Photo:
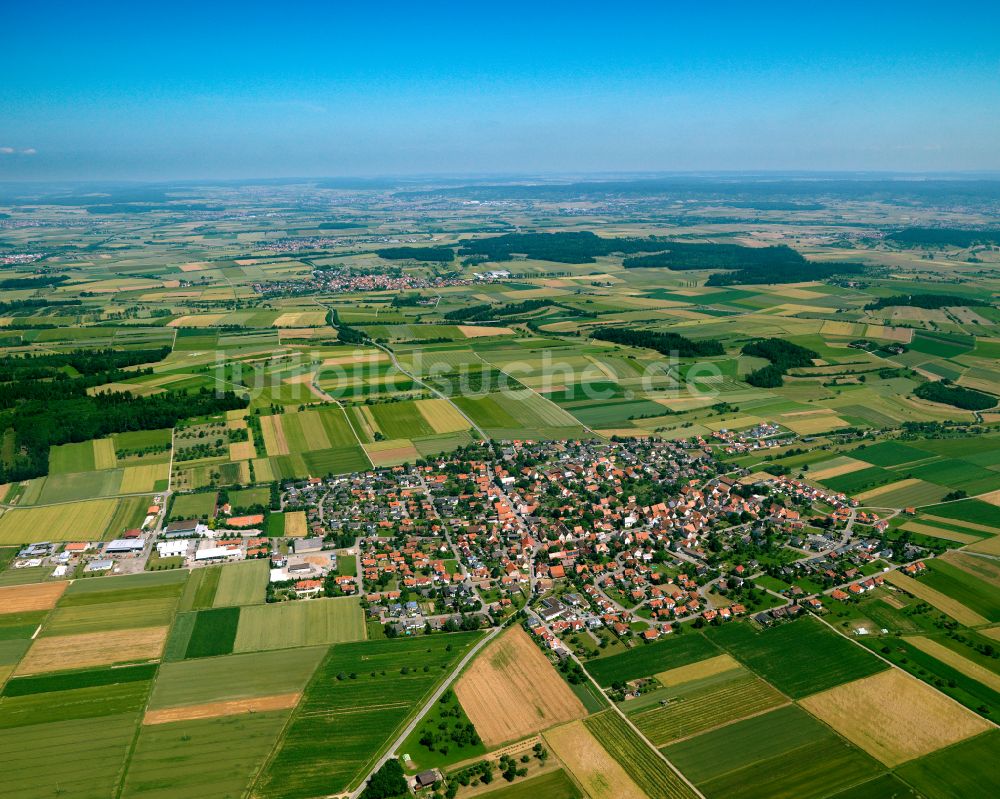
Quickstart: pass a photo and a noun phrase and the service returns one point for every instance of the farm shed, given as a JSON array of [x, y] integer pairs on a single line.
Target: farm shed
[[217, 553], [125, 546], [171, 549]]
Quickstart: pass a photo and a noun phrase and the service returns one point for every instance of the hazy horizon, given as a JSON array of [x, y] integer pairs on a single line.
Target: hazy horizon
[[236, 91]]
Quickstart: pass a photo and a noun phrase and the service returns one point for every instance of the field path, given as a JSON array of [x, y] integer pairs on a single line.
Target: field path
[[395, 362], [431, 701], [636, 730]]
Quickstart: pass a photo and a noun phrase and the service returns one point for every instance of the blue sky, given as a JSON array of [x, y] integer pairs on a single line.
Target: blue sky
[[226, 90]]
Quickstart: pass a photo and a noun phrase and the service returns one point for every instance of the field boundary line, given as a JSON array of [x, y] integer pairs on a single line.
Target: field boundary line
[[636, 730], [734, 721], [412, 722], [904, 671]]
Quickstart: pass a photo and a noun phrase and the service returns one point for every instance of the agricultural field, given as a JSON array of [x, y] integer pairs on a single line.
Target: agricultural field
[[698, 704], [654, 776], [651, 659], [241, 584], [278, 339], [292, 624], [600, 774], [554, 785], [782, 753], [362, 694], [798, 658], [511, 690], [894, 717]]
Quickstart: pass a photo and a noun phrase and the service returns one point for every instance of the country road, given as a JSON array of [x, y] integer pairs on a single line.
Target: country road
[[389, 753]]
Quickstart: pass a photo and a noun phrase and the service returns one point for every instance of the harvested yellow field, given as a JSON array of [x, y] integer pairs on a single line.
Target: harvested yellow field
[[894, 717], [985, 569], [312, 429], [818, 423], [93, 649], [961, 664], [903, 335], [262, 470], [481, 331], [104, 454], [295, 524], [442, 415], [993, 497], [982, 528], [987, 546], [511, 690], [142, 479], [201, 320], [274, 435], [942, 602], [88, 522], [851, 465], [242, 450], [392, 453], [842, 329], [213, 710], [696, 671], [938, 532], [877, 492], [991, 632], [194, 266], [20, 598], [301, 319], [599, 774], [356, 358]]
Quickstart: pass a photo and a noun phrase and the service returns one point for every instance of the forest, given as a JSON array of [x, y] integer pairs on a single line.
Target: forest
[[783, 356], [964, 398], [41, 423], [944, 236], [567, 248], [435, 254], [685, 255], [482, 313], [662, 342], [930, 301], [783, 273]]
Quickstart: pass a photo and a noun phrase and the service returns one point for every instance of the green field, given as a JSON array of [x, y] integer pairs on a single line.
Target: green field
[[782, 753], [963, 770], [554, 785], [646, 660], [98, 617], [972, 592], [213, 633], [646, 768], [78, 758], [193, 682], [302, 623], [242, 583], [363, 712], [194, 506], [200, 589], [702, 704], [799, 658], [182, 759], [94, 702]]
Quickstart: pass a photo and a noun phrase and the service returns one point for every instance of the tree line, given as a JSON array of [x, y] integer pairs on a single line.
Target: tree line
[[664, 342]]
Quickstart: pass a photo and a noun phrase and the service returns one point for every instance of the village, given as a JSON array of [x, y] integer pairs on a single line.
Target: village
[[666, 535]]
